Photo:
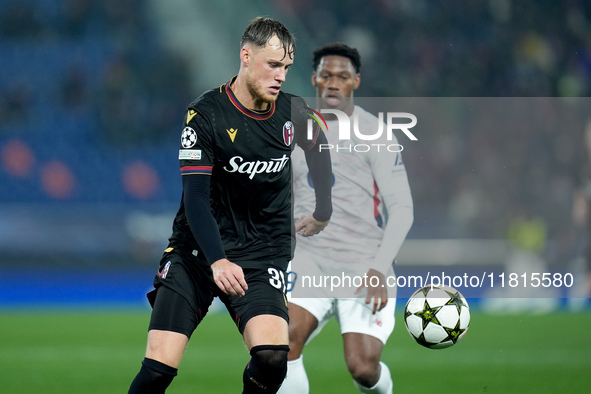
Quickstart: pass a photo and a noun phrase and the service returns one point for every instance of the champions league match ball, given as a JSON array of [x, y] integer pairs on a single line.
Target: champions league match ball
[[437, 317]]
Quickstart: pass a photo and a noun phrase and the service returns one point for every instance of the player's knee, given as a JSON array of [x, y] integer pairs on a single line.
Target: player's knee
[[364, 370], [267, 368]]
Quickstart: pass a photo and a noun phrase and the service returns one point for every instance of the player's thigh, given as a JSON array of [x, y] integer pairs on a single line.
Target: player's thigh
[[301, 324], [183, 294], [355, 316], [265, 297], [266, 330], [308, 316], [180, 303], [167, 347], [172, 322]]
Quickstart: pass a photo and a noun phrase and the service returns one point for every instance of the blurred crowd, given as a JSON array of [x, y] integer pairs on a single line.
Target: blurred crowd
[[493, 178], [88, 94], [460, 47]]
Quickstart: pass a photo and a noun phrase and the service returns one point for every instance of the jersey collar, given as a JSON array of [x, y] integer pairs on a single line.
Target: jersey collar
[[258, 115]]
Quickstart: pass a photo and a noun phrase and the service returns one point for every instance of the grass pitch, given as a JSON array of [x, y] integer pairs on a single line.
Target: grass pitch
[[100, 351]]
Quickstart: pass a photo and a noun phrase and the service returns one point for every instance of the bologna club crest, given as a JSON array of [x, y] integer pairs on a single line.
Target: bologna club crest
[[288, 133]]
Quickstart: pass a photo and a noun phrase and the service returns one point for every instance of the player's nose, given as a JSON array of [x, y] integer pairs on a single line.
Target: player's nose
[[332, 84], [280, 76]]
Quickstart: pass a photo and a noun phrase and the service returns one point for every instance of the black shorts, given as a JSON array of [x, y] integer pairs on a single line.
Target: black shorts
[[184, 291]]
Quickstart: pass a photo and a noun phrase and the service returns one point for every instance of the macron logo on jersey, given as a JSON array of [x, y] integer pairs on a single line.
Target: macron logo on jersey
[[252, 168]]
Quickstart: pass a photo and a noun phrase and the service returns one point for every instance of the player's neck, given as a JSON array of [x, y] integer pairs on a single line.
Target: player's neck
[[248, 98], [349, 108]]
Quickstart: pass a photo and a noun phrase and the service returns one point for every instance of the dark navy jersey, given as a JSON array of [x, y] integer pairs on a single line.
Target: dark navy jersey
[[247, 154]]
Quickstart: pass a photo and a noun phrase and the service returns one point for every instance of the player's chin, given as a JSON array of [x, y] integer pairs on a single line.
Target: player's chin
[[270, 98]]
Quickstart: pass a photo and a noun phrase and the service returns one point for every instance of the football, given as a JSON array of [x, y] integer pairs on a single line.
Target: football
[[437, 317]]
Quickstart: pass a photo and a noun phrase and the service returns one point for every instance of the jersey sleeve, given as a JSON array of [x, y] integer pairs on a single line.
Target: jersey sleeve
[[201, 221], [196, 154], [196, 158], [320, 168], [391, 180], [317, 159], [306, 137]]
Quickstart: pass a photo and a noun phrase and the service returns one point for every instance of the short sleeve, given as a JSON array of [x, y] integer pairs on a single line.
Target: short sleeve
[[196, 154]]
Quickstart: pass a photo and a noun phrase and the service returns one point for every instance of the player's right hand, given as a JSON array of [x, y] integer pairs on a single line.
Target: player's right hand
[[229, 277], [378, 294], [308, 225]]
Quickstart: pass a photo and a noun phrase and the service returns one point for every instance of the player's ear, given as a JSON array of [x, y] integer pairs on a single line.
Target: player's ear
[[357, 81], [314, 79], [245, 55]]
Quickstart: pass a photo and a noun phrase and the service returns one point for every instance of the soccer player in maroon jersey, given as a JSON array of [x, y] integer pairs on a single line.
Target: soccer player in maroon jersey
[[233, 234]]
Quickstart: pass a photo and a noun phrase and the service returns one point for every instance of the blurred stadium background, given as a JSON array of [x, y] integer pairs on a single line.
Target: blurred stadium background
[[92, 94]]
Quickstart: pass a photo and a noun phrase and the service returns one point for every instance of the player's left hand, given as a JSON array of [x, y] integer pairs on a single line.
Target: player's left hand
[[378, 293], [309, 226]]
